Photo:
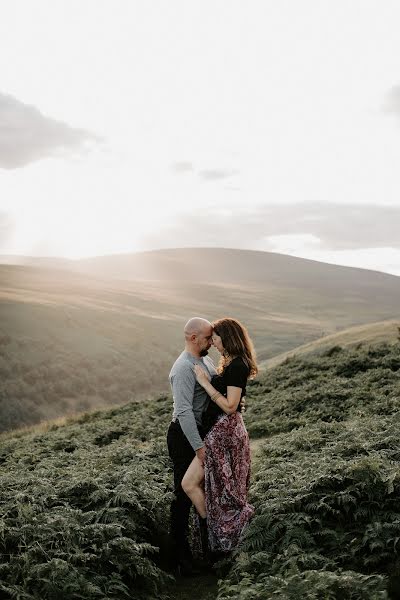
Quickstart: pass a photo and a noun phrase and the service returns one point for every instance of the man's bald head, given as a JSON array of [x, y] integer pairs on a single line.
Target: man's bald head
[[198, 334], [195, 326]]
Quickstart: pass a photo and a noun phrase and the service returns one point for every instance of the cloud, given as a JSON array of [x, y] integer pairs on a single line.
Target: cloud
[[392, 103], [26, 135], [182, 167], [214, 174], [332, 226]]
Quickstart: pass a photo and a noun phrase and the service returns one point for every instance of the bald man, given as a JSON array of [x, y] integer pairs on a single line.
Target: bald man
[[185, 435]]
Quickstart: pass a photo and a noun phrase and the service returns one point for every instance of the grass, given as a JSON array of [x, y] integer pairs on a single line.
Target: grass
[[325, 483], [371, 333], [326, 478]]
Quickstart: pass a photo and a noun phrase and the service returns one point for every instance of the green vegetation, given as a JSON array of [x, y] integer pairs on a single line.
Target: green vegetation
[[83, 508], [372, 333], [338, 385], [327, 479], [45, 381], [84, 505]]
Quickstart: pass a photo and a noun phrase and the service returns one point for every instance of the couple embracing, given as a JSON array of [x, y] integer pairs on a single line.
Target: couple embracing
[[207, 439]]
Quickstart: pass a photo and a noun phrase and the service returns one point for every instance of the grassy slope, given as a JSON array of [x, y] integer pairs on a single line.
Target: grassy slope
[[325, 486], [326, 479], [371, 333], [84, 506], [74, 340]]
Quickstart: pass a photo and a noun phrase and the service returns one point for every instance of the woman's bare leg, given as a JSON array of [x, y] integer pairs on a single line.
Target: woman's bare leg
[[192, 485]]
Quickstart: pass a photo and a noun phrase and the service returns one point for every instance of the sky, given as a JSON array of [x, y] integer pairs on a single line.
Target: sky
[[131, 125]]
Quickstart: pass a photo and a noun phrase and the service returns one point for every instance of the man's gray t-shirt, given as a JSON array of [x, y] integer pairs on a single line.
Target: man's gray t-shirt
[[190, 398]]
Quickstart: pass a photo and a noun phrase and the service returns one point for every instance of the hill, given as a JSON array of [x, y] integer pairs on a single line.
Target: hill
[[97, 331], [84, 506], [372, 333], [222, 265]]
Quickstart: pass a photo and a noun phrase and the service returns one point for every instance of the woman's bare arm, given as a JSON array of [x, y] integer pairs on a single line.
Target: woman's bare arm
[[228, 404]]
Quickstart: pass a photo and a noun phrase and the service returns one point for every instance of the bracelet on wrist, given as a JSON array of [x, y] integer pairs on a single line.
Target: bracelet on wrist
[[215, 396]]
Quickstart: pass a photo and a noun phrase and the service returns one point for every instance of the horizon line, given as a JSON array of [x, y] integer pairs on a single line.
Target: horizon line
[[215, 248]]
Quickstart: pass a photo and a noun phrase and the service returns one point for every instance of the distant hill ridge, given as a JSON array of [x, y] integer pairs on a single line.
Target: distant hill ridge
[[211, 265]]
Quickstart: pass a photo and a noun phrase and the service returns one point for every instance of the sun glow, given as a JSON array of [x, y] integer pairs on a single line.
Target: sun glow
[[185, 134]]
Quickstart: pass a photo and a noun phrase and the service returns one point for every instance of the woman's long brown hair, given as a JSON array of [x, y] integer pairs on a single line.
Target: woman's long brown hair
[[236, 342]]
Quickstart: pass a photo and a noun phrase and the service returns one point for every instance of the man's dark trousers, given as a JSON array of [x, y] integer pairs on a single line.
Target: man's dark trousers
[[182, 454]]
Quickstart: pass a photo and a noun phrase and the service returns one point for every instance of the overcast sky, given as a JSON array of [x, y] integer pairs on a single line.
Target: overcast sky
[[132, 125]]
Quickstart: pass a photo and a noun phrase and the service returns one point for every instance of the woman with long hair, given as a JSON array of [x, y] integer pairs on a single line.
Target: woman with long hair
[[219, 488]]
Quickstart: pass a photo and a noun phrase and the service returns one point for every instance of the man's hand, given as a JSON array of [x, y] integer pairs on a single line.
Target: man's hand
[[242, 405], [201, 455]]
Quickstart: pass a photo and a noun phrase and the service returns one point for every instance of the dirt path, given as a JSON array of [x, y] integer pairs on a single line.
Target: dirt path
[[203, 587], [255, 445]]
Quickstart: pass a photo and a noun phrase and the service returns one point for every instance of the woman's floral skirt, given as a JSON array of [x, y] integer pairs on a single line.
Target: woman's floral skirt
[[227, 478]]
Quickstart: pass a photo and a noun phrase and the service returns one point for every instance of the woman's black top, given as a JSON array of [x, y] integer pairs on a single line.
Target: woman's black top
[[236, 374]]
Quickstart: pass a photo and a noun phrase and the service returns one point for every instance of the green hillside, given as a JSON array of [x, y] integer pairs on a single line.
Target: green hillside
[[78, 335], [84, 505], [372, 333]]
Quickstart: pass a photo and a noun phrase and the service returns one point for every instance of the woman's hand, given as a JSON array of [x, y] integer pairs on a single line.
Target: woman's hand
[[202, 377]]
